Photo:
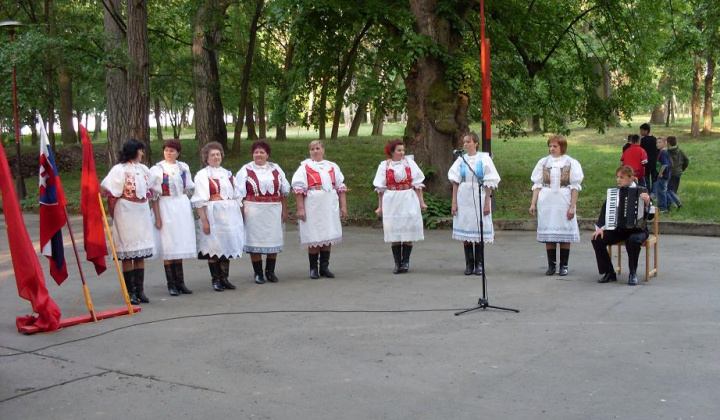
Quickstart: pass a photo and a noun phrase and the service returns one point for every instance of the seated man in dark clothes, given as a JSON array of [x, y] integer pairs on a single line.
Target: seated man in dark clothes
[[633, 238]]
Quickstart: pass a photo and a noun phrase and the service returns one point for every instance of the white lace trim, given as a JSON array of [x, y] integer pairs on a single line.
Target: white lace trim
[[322, 243], [141, 253], [262, 249]]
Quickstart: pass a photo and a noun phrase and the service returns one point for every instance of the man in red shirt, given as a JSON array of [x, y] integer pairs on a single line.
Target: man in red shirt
[[635, 157]]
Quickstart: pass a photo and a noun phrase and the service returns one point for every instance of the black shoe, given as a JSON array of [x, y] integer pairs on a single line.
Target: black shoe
[[313, 259], [180, 279], [563, 270], [270, 270], [258, 278], [405, 261], [608, 277], [632, 279], [215, 274], [469, 259], [140, 285], [397, 251], [225, 273], [551, 270], [479, 268], [325, 264], [170, 277]]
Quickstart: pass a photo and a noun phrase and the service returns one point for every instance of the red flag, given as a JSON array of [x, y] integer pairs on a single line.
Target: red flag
[[52, 210], [28, 274], [93, 233]]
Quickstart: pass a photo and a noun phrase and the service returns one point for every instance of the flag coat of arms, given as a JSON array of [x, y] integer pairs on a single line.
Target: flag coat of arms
[[52, 210]]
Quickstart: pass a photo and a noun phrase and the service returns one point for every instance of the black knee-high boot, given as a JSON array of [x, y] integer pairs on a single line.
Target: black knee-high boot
[[140, 285], [129, 277], [313, 259], [405, 262], [564, 257], [180, 278], [170, 277], [325, 264], [270, 270], [469, 260], [215, 273], [225, 271], [551, 255], [258, 272], [479, 259], [397, 255]]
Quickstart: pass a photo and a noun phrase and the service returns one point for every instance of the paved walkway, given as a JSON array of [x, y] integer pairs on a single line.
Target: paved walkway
[[373, 345]]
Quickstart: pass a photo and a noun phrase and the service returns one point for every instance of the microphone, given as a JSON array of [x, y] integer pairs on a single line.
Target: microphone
[[457, 153]]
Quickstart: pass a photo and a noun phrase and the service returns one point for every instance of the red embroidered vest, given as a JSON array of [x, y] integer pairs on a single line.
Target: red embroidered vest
[[313, 178], [392, 184], [252, 185]]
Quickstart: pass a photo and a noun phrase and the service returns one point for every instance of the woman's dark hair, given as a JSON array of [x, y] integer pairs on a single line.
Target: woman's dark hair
[[129, 150], [173, 144], [626, 170], [213, 145], [260, 145], [391, 146]]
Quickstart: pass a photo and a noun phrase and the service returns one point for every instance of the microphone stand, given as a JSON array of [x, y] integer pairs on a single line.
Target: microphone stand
[[483, 302]]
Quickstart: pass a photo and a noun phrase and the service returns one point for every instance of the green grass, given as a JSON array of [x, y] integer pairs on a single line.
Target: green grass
[[515, 158]]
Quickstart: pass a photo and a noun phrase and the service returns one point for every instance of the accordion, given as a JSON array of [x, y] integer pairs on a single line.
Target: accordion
[[625, 209]]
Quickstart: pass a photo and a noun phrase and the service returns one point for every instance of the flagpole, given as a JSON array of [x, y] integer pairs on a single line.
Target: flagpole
[[117, 263], [86, 291]]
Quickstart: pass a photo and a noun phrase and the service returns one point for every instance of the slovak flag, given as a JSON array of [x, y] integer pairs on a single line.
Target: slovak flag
[[52, 210]]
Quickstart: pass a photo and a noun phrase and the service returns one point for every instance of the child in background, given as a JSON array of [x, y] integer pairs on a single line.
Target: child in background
[[636, 158], [680, 162], [664, 166]]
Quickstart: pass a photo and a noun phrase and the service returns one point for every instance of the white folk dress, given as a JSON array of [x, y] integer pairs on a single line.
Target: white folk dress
[[215, 189], [320, 183], [470, 200], [262, 189], [556, 178], [176, 239], [401, 213], [132, 227]]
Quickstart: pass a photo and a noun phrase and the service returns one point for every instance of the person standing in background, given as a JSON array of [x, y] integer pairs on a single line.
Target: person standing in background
[[680, 162], [649, 143]]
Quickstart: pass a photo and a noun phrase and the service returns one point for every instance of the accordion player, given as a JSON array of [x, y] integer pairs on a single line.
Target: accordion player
[[625, 208]]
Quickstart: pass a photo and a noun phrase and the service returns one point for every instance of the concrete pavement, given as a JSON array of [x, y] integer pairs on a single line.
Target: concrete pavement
[[373, 345]]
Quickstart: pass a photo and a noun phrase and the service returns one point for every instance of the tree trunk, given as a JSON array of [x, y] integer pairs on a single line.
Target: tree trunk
[[695, 102], [244, 85], [281, 108], [98, 126], [33, 130], [658, 114], [535, 123], [322, 107], [65, 95], [378, 121], [158, 120], [209, 115], [344, 78], [250, 119], [707, 106], [115, 80], [139, 75], [262, 126], [437, 115], [358, 119]]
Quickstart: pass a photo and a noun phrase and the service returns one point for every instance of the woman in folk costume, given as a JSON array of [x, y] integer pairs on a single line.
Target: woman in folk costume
[[470, 204], [319, 188], [556, 182], [174, 222], [128, 187], [220, 229], [264, 190], [398, 182]]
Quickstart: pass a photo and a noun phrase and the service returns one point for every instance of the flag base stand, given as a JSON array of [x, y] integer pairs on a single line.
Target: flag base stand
[[82, 319]]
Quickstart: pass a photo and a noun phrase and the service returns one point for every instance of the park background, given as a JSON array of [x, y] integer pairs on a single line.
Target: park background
[[357, 74]]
